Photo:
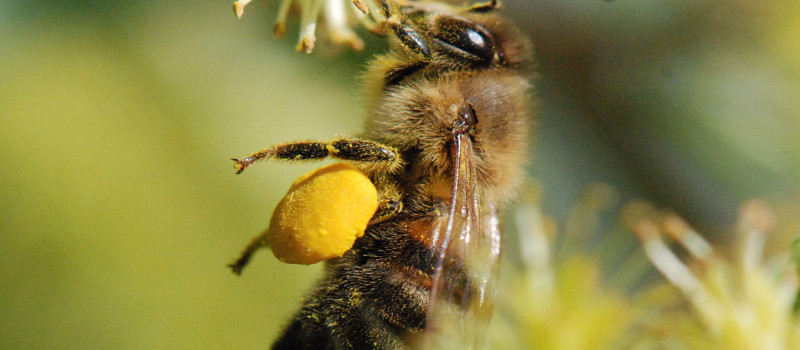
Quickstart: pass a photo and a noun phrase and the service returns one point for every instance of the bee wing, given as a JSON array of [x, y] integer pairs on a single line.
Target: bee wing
[[468, 243]]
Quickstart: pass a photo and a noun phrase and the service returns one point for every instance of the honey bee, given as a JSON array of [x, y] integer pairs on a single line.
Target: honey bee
[[445, 146]]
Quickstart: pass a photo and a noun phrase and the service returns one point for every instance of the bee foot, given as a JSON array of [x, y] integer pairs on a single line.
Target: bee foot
[[241, 164], [238, 266]]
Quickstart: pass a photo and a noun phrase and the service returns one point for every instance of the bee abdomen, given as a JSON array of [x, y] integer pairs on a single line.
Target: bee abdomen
[[374, 304]]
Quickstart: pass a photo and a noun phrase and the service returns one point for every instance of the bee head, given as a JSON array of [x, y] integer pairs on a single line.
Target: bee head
[[490, 107]]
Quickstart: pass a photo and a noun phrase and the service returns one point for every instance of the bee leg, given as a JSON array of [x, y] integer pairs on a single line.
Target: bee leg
[[257, 243], [380, 157], [386, 8], [387, 208], [390, 199], [397, 74], [410, 38], [365, 151], [486, 6]]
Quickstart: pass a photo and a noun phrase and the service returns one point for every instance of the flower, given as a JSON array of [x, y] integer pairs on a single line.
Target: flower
[[744, 303], [590, 287], [558, 297], [335, 13]]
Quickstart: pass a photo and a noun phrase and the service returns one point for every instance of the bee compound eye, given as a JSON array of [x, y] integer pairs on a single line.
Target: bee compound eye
[[466, 37]]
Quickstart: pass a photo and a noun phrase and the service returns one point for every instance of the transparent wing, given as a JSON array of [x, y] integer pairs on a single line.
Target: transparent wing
[[468, 243]]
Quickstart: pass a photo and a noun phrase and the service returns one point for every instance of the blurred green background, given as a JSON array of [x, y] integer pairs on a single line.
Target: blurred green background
[[118, 119]]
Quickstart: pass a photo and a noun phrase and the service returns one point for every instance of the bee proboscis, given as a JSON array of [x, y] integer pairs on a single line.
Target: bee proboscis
[[445, 144]]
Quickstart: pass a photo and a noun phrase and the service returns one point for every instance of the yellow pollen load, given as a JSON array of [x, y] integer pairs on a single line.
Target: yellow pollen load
[[322, 215]]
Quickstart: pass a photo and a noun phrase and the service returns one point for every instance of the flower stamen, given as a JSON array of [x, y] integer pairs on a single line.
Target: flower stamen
[[678, 229], [756, 219], [238, 7]]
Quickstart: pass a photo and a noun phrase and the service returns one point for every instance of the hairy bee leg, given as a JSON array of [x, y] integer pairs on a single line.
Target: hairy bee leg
[[385, 7], [345, 149], [257, 243], [382, 157], [486, 6], [387, 208], [396, 75], [410, 38]]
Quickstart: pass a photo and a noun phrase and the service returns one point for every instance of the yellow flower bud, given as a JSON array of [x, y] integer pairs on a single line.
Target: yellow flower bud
[[322, 215]]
